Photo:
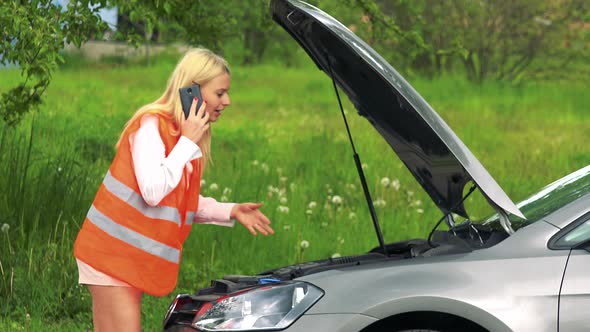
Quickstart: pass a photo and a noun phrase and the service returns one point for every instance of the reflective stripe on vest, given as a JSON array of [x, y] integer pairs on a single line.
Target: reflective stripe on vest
[[132, 237], [126, 194]]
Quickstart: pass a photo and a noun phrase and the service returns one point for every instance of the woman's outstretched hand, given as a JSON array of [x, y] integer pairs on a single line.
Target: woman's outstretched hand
[[249, 216]]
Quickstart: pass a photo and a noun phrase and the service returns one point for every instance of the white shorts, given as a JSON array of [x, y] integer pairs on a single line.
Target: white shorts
[[87, 275]]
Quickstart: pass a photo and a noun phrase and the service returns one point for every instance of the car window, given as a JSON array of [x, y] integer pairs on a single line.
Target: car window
[[574, 234], [580, 234]]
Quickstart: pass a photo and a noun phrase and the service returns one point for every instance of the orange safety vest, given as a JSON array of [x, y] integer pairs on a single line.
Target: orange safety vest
[[124, 237]]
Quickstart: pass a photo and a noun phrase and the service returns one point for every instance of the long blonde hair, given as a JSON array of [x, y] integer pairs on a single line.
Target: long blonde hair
[[199, 65]]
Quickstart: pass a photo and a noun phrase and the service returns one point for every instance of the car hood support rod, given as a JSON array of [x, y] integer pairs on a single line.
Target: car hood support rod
[[359, 167]]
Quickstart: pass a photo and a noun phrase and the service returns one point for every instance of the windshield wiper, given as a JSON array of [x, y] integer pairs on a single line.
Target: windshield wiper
[[358, 164]]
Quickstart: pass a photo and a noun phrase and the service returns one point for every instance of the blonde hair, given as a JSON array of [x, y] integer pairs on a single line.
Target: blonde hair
[[199, 65]]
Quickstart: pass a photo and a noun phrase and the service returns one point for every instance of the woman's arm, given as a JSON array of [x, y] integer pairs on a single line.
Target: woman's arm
[[225, 214], [157, 175], [213, 212]]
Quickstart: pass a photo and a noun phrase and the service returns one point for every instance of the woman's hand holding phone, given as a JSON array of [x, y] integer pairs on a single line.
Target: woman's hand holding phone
[[197, 123]]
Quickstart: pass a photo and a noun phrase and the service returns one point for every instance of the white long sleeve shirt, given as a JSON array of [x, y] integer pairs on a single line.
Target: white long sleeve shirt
[[157, 175]]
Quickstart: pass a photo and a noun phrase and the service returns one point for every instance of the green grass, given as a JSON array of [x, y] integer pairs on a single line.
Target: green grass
[[283, 134]]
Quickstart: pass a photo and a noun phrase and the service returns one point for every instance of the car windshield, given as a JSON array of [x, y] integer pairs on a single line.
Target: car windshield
[[549, 199]]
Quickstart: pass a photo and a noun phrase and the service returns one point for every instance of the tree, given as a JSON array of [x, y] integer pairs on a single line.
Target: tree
[[504, 40], [257, 30], [32, 34], [207, 23], [198, 22], [394, 29]]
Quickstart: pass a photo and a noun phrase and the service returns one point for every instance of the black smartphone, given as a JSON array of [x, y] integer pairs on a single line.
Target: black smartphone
[[187, 95]]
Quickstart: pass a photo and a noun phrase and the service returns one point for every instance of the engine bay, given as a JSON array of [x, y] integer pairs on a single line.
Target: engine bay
[[460, 240]]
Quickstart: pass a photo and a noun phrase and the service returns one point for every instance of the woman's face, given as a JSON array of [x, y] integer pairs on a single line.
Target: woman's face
[[215, 93]]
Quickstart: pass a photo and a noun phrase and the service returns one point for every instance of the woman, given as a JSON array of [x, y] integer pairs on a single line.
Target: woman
[[131, 240]]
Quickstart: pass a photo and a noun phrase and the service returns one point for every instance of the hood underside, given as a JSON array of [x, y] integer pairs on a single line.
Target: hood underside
[[433, 153]]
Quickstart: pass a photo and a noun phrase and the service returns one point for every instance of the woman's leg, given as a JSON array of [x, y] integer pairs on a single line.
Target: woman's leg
[[115, 308]]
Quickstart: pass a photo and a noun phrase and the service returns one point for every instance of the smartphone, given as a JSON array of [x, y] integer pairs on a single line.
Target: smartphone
[[187, 95]]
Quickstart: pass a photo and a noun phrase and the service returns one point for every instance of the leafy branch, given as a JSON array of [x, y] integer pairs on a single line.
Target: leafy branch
[[32, 34]]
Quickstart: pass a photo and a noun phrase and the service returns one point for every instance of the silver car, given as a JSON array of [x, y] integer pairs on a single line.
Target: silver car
[[526, 268]]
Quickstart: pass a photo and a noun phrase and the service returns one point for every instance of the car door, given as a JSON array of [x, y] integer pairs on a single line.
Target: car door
[[574, 297]]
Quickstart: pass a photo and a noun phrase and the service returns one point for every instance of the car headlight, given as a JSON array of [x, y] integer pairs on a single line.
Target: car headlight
[[272, 306]]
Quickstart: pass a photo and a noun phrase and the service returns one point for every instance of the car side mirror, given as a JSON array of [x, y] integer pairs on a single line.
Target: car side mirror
[[585, 245]]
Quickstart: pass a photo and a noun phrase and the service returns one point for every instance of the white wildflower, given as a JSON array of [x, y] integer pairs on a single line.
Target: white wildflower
[[271, 190], [420, 211], [352, 215], [417, 202], [227, 191], [410, 193], [385, 182], [292, 187], [337, 199], [324, 224], [279, 170], [308, 212], [5, 228], [351, 186], [283, 179], [59, 169], [203, 182], [283, 209], [542, 21], [379, 203], [395, 184], [286, 227], [304, 244], [255, 162], [213, 187], [283, 200], [224, 198], [364, 166], [336, 255], [312, 204], [264, 167]]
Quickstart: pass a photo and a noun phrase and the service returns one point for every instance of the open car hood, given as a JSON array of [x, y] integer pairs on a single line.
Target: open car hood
[[437, 158]]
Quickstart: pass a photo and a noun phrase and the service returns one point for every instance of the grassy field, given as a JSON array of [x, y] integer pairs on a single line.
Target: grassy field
[[282, 142]]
